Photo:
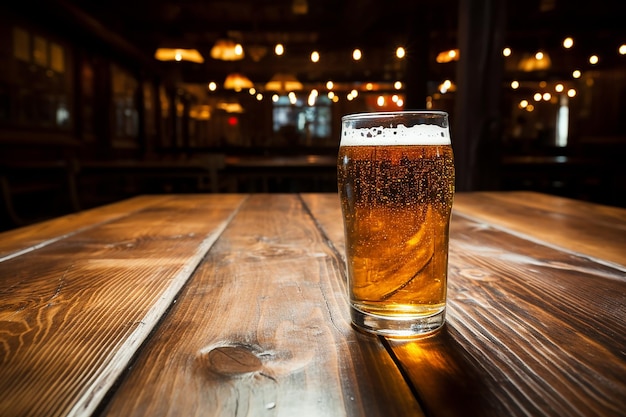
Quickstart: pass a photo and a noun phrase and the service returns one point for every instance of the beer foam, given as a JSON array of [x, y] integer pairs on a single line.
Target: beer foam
[[399, 135]]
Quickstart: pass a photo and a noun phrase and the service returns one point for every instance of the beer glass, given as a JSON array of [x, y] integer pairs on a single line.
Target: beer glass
[[396, 183]]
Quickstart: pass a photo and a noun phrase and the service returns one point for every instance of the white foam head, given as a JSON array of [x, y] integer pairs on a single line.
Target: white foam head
[[399, 135]]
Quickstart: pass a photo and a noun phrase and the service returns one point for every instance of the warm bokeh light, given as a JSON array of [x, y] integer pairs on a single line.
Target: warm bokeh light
[[542, 84], [514, 85], [448, 56], [354, 93], [315, 56], [397, 85], [259, 97], [238, 50], [279, 49], [330, 85], [331, 95], [559, 88], [547, 96], [369, 86], [530, 108], [380, 101], [400, 52], [523, 104], [394, 98], [506, 52], [593, 59], [168, 54], [577, 74], [568, 42], [622, 49], [252, 91], [445, 86], [400, 102], [356, 54], [539, 56], [312, 98], [275, 98], [537, 97], [212, 86], [571, 92]]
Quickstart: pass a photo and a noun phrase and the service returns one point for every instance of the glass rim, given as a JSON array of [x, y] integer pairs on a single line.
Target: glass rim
[[392, 114]]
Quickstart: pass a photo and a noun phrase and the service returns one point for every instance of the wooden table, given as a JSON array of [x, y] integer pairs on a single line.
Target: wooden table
[[236, 305]]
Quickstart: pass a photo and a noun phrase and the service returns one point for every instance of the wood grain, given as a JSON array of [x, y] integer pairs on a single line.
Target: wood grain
[[24, 239], [532, 330], [236, 305], [580, 227], [263, 330], [75, 311]]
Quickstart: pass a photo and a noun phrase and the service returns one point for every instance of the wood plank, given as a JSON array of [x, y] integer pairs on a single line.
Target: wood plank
[[580, 227], [24, 239], [262, 329], [73, 313], [531, 330]]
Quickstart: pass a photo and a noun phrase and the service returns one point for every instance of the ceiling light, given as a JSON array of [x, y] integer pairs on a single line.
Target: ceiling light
[[537, 62], [230, 107], [227, 50], [568, 43], [237, 82], [178, 54], [283, 82]]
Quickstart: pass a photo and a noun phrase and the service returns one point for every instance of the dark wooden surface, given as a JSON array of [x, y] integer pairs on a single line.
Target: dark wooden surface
[[235, 304]]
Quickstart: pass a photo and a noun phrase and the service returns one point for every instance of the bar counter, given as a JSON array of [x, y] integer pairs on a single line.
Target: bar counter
[[236, 304]]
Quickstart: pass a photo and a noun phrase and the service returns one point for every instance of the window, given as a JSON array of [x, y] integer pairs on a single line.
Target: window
[[306, 124]]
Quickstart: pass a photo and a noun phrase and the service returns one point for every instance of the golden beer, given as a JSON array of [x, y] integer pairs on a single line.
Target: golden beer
[[396, 198]]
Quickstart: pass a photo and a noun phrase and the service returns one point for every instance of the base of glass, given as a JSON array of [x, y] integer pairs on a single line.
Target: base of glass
[[398, 326]]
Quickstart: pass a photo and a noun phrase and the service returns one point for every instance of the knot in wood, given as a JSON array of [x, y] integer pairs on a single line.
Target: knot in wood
[[232, 360]]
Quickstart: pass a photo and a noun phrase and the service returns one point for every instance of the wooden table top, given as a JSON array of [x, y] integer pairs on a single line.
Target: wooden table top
[[236, 304]]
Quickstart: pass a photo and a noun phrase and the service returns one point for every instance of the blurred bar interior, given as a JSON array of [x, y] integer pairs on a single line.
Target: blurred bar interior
[[101, 101]]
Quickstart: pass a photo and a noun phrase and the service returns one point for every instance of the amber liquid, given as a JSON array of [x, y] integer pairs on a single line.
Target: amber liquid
[[396, 202]]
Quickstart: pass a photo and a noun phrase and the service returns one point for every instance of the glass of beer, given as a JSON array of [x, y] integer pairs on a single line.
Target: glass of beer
[[396, 183]]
